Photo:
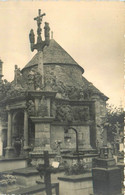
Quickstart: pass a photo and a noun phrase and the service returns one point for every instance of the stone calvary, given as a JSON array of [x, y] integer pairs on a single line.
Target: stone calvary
[[49, 95]]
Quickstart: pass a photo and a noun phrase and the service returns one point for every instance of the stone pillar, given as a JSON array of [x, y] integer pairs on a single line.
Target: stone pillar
[[26, 146], [9, 134], [40, 65], [48, 106], [9, 149], [98, 121], [25, 128], [36, 105]]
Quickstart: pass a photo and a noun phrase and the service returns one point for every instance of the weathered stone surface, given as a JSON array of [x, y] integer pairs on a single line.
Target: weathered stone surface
[[107, 181], [76, 185]]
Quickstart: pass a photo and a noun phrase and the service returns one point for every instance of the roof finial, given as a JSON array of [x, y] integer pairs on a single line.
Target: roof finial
[[51, 34]]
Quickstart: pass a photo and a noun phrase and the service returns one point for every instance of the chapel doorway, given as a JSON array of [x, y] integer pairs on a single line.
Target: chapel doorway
[[18, 132], [18, 125], [4, 141]]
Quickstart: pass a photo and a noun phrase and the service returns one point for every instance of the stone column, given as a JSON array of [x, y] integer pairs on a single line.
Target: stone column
[[98, 121], [9, 149], [36, 105], [26, 146], [9, 133], [25, 128], [40, 65]]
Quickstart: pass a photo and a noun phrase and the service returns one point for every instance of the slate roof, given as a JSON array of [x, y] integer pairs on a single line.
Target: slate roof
[[90, 86], [53, 54]]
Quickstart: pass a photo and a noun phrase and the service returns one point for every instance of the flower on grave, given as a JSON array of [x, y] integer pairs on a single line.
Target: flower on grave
[[3, 183], [11, 181], [9, 176], [8, 179], [76, 168]]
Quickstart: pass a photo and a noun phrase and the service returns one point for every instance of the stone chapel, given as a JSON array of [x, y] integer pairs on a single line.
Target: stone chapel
[[47, 96]]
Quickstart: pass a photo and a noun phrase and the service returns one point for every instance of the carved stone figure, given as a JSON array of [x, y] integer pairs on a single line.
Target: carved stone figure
[[47, 31], [37, 80], [50, 80], [81, 114], [31, 80], [31, 108], [32, 36], [18, 77], [53, 109]]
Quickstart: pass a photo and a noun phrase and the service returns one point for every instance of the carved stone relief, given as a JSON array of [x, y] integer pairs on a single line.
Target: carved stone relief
[[31, 108], [66, 113]]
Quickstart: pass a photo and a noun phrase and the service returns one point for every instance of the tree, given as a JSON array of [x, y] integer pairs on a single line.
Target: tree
[[114, 125]]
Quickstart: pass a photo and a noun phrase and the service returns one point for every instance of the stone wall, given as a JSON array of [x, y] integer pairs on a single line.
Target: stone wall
[[58, 133], [67, 74], [57, 76]]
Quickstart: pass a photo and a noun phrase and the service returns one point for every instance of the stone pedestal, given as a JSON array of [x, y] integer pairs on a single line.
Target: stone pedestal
[[27, 176], [106, 181], [42, 132], [26, 150], [106, 176], [10, 152], [42, 139], [85, 158], [76, 184]]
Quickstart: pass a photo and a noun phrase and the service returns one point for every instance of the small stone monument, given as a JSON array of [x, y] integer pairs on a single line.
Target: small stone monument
[[106, 175]]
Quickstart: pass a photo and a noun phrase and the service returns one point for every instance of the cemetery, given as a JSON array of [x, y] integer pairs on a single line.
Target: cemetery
[[53, 140]]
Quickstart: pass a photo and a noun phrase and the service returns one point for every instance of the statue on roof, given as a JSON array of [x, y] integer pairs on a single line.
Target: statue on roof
[[40, 44], [17, 76]]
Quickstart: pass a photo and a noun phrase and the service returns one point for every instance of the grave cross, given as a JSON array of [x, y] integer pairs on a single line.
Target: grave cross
[[47, 174], [46, 170]]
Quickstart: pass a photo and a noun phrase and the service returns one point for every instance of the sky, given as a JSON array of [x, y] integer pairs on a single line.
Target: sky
[[91, 32]]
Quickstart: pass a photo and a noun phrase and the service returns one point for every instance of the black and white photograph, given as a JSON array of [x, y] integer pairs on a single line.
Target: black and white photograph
[[62, 97]]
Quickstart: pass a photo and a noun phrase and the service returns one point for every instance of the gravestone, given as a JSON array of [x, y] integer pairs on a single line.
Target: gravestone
[[106, 175]]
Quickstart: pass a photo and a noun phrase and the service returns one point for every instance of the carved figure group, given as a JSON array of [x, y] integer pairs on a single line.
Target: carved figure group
[[34, 80], [31, 108], [66, 113]]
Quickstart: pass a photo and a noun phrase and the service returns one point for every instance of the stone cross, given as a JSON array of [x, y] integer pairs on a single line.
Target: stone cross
[[39, 21], [39, 17], [47, 174], [40, 44], [46, 170]]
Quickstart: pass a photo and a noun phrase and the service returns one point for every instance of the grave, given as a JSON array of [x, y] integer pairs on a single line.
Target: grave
[[76, 184], [106, 175]]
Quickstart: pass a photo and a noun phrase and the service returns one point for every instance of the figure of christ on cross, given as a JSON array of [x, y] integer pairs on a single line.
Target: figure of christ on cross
[[39, 17], [39, 29]]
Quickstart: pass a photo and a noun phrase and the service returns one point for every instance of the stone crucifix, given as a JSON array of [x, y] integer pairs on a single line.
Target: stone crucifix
[[40, 44], [39, 29]]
